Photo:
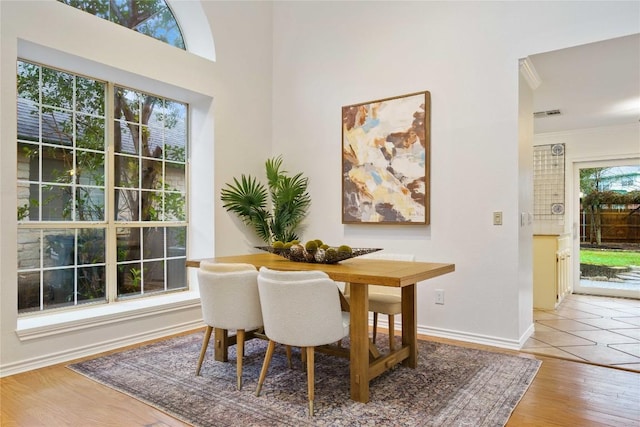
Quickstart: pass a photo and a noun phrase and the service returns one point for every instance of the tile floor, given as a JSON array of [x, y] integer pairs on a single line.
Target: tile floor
[[595, 329]]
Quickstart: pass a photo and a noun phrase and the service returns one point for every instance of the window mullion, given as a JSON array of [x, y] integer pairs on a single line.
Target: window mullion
[[111, 235]]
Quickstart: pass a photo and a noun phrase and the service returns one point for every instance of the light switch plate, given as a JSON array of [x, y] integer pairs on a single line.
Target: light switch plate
[[497, 218]]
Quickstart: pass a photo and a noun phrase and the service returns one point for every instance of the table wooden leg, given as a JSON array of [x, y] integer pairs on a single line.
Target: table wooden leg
[[359, 337], [410, 325], [220, 352]]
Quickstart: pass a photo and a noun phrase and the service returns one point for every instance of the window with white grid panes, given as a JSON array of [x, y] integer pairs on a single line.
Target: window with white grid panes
[[94, 193]]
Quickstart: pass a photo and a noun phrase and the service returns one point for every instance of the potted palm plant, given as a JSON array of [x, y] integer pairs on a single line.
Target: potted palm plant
[[274, 211]]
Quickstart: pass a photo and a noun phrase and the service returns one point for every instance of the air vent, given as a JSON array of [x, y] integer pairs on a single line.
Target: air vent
[[540, 114]]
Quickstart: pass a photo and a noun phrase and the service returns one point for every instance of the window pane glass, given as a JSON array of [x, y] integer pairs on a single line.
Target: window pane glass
[[57, 88], [174, 206], [153, 242], [154, 142], [28, 81], [128, 244], [176, 241], [89, 168], [90, 132], [56, 203], [150, 17], [91, 246], [89, 204], [152, 206], [99, 8], [175, 116], [126, 137], [129, 13], [91, 283], [28, 121], [33, 213], [28, 249], [58, 287], [127, 205], [163, 27], [176, 273], [57, 126], [151, 174], [57, 165], [129, 279], [28, 291], [176, 267], [153, 276], [126, 171], [175, 139], [89, 96], [59, 248], [127, 105]]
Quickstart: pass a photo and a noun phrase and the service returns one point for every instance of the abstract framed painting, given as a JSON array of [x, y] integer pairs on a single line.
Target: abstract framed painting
[[385, 160]]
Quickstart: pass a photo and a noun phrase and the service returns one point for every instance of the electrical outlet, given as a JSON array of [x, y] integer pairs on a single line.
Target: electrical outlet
[[439, 296], [497, 218]]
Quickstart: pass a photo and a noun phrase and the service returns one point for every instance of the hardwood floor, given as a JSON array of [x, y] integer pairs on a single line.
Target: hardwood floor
[[564, 393]]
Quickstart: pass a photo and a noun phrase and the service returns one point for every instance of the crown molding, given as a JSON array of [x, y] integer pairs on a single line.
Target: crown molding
[[529, 73]]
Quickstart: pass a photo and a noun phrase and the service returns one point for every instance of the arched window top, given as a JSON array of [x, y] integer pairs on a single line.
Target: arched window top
[[150, 17]]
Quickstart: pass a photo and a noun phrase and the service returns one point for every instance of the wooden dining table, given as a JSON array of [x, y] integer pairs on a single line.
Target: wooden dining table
[[365, 362]]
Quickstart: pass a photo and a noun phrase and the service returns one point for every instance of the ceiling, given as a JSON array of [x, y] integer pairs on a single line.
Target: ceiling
[[592, 85]]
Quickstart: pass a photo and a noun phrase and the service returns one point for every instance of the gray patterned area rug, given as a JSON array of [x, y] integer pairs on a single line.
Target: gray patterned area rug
[[452, 386]]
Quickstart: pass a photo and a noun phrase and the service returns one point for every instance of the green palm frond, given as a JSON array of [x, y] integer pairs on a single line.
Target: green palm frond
[[290, 202], [273, 171], [247, 198]]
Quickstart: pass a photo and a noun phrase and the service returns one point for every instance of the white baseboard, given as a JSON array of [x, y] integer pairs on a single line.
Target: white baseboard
[[464, 336]]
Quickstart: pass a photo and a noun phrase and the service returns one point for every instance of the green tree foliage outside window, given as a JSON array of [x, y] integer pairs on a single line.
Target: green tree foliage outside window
[[150, 17]]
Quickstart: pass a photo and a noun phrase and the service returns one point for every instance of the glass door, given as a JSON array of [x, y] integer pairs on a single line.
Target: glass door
[[608, 221]]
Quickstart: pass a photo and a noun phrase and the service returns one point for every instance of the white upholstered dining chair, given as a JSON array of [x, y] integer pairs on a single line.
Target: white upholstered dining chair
[[300, 312], [288, 276], [230, 300], [384, 299]]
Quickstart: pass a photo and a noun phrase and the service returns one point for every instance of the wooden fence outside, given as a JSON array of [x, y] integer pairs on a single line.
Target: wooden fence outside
[[617, 226]]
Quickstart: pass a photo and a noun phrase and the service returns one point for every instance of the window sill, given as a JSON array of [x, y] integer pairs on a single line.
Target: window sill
[[45, 325]]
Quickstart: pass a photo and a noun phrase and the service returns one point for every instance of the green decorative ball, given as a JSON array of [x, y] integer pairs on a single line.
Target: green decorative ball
[[345, 248]]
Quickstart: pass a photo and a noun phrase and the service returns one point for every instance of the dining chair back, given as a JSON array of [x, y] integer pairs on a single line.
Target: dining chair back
[[230, 300], [301, 313], [384, 299]]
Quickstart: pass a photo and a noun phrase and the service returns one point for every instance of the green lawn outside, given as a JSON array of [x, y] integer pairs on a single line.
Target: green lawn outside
[[609, 258]]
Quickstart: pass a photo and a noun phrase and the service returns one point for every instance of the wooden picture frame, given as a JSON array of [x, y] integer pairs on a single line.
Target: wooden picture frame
[[385, 160]]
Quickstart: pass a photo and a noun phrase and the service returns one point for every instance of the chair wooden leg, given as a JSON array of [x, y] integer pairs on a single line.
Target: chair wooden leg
[[391, 333], [239, 355], [310, 378], [303, 356], [265, 365], [205, 343], [288, 349], [375, 326]]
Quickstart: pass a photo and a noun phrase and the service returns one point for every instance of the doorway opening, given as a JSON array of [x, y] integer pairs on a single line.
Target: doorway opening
[[607, 215]]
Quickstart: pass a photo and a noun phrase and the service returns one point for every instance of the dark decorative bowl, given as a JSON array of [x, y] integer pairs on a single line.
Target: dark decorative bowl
[[319, 256]]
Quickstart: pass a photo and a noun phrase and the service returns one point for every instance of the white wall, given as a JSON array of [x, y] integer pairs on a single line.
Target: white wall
[[331, 54], [230, 102]]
